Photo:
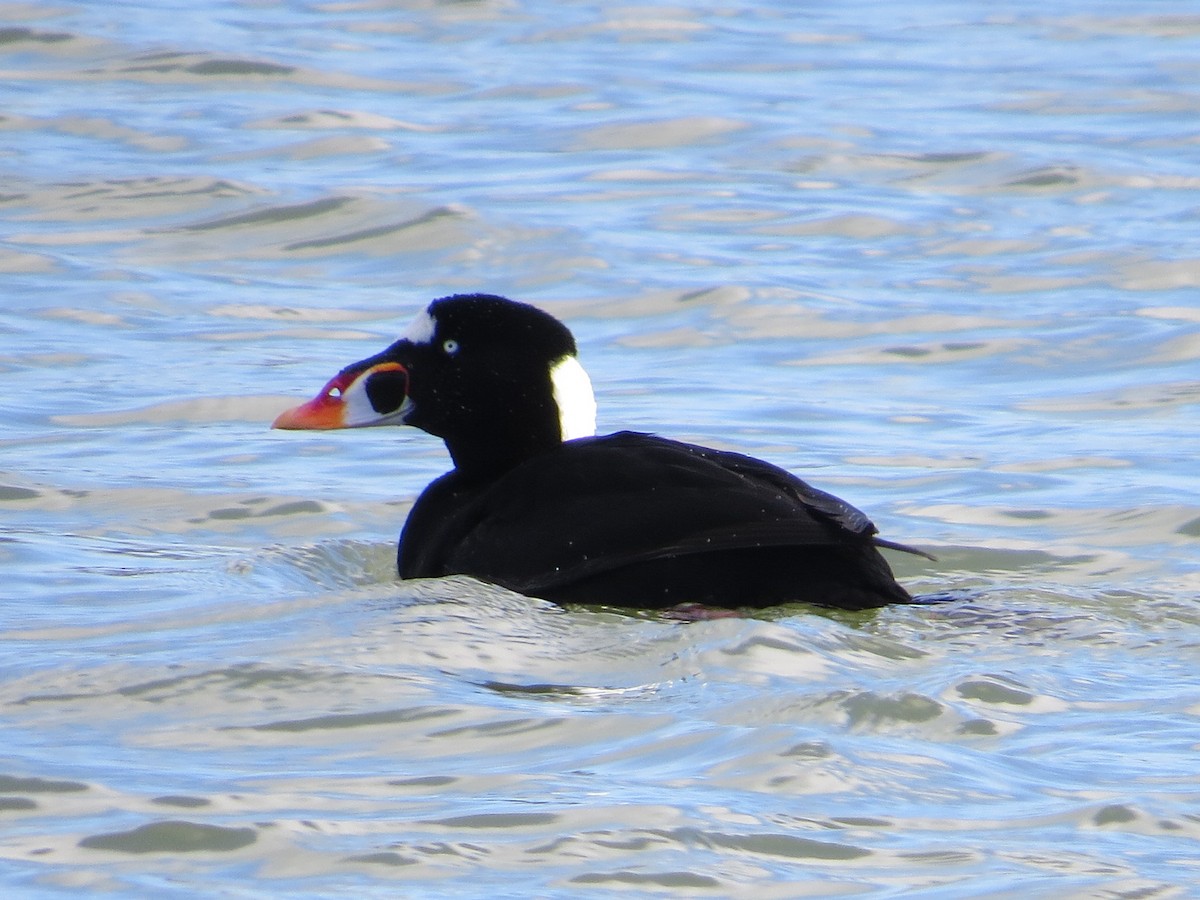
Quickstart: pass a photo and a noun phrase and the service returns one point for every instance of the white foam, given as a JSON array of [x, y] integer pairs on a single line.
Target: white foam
[[574, 398]]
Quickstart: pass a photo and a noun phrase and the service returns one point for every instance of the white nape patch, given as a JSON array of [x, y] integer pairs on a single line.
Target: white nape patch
[[574, 398], [421, 329]]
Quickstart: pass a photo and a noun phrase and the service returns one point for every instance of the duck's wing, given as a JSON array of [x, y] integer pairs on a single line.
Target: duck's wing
[[601, 504], [819, 503]]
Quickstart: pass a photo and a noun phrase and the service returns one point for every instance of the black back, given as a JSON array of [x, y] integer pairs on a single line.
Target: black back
[[637, 520]]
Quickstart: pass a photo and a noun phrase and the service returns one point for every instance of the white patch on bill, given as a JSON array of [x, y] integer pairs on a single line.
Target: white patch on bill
[[574, 398], [360, 414], [421, 330]]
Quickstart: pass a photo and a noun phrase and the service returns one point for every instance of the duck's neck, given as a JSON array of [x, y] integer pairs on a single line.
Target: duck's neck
[[486, 458], [531, 418]]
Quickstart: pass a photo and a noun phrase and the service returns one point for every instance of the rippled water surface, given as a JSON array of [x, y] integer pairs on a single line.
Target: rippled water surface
[[940, 258]]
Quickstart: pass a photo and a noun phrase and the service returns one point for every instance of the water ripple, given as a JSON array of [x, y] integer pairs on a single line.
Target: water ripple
[[941, 262]]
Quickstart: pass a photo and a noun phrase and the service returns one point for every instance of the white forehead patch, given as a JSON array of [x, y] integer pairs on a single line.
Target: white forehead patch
[[420, 331], [574, 398]]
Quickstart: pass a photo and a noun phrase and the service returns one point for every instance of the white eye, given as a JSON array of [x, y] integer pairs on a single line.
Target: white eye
[[450, 346]]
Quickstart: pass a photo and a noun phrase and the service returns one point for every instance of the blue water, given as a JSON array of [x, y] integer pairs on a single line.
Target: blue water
[[939, 258]]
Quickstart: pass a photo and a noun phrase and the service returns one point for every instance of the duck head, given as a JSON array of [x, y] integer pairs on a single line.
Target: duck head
[[497, 380]]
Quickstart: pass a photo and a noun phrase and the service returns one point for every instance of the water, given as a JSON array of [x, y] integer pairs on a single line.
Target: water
[[936, 257]]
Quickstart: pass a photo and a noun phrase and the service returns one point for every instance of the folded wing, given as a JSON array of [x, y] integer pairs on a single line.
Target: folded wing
[[627, 498]]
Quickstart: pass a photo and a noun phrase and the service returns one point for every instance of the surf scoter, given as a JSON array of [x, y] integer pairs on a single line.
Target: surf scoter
[[538, 503]]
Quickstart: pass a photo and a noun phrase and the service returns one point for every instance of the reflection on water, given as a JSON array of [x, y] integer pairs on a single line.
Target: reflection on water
[[938, 261]]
